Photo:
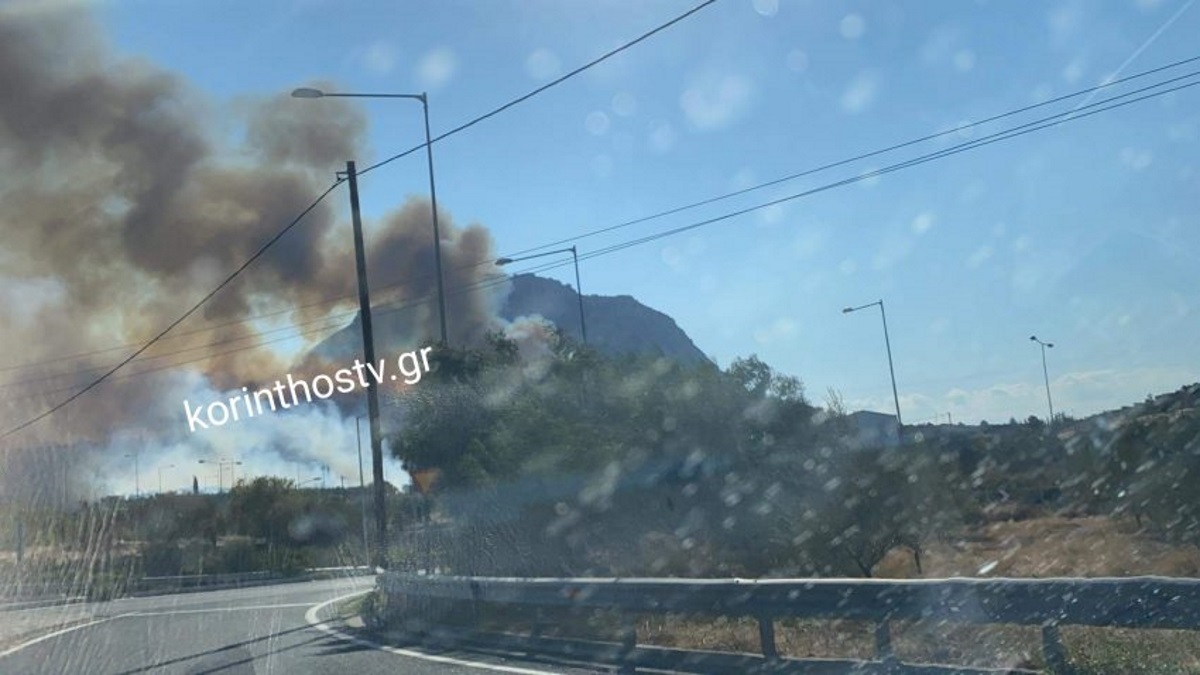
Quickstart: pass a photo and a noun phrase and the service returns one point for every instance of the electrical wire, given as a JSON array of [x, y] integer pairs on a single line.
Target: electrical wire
[[466, 125], [1045, 123], [1028, 128], [859, 157], [559, 80], [686, 207], [229, 279], [376, 312], [1007, 134]]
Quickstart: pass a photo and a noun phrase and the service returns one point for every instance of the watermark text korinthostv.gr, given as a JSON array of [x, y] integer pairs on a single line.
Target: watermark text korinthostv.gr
[[412, 365]]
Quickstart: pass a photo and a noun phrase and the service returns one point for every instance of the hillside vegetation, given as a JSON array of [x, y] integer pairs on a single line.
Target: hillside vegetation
[[570, 463]]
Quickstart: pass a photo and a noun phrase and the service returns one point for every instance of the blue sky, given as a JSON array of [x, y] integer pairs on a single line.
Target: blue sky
[[1086, 234]]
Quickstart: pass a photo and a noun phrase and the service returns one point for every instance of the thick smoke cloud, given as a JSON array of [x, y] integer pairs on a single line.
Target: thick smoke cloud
[[120, 208]]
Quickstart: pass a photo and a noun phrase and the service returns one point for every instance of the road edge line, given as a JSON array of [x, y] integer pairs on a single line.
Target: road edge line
[[48, 636], [311, 616]]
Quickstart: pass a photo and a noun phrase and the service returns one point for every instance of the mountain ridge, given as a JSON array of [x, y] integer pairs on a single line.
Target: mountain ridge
[[616, 325]]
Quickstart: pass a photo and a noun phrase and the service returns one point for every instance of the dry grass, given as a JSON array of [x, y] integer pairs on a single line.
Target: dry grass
[[1046, 546], [847, 639], [1133, 652], [1050, 546], [989, 646]]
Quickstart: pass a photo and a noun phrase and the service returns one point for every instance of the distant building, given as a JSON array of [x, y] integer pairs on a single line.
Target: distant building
[[873, 429]]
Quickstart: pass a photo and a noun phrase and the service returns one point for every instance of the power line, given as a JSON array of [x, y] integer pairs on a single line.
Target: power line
[[1045, 123], [1012, 132], [74, 357], [207, 328], [333, 320], [1007, 134], [678, 209], [866, 155], [521, 99], [377, 311], [336, 318], [860, 157], [233, 275], [462, 127], [987, 140]]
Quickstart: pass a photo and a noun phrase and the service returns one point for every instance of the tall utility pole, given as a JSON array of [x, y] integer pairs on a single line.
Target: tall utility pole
[[1046, 373], [364, 308], [891, 369]]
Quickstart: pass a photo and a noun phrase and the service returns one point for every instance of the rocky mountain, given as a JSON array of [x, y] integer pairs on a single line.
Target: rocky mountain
[[615, 324]]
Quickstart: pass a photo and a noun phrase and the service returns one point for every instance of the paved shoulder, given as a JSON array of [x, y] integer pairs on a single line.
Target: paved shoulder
[[273, 629]]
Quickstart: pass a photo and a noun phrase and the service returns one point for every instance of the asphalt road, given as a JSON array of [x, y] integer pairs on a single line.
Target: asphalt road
[[255, 631]]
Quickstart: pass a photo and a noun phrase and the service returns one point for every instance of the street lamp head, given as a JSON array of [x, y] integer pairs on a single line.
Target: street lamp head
[[500, 262], [847, 310], [307, 92], [1050, 345], [1033, 338]]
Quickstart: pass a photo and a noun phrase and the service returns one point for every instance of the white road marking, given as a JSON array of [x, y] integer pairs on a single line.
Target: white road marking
[[29, 643], [133, 615], [315, 622], [209, 610]]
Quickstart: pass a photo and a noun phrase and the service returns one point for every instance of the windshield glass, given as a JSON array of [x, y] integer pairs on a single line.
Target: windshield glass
[[379, 296]]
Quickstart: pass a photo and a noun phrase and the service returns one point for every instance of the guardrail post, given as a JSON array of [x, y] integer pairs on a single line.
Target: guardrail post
[[883, 642], [539, 625], [1054, 652], [476, 593], [766, 635], [628, 644]]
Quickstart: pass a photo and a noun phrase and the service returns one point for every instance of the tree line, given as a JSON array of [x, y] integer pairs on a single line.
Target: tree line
[[575, 463]]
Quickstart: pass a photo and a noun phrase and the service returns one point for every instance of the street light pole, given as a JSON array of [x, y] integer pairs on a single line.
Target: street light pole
[[137, 480], [309, 92], [891, 368], [579, 295], [1046, 373], [578, 288], [160, 469], [437, 237], [221, 464], [220, 475]]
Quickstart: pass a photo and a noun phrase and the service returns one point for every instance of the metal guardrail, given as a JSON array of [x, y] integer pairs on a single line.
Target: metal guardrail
[[1133, 602], [240, 579], [199, 580]]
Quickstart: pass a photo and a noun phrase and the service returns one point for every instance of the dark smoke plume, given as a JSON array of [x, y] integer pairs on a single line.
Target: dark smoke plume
[[119, 208]]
